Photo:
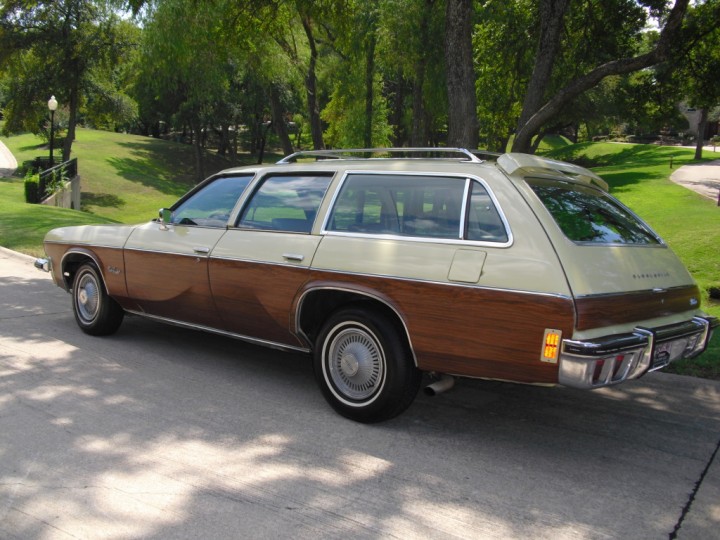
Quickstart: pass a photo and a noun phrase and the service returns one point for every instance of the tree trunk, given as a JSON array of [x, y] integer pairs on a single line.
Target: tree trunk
[[554, 106], [311, 89], [552, 13], [369, 89], [195, 128], [702, 125], [419, 135], [279, 123], [462, 102], [72, 123]]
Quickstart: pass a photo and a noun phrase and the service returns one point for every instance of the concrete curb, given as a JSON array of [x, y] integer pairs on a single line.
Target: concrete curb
[[17, 255]]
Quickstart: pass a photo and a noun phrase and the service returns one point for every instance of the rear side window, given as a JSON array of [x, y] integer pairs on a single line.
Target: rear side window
[[589, 215], [404, 205]]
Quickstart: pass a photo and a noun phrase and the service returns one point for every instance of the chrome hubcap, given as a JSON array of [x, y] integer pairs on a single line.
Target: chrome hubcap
[[88, 298], [356, 363]]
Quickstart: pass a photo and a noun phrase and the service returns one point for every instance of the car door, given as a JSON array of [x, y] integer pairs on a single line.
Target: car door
[[258, 266], [167, 263]]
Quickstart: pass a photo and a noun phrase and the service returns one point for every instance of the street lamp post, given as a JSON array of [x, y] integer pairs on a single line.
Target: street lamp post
[[52, 105]]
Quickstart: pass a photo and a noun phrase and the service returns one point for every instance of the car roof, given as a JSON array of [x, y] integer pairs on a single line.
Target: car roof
[[516, 166]]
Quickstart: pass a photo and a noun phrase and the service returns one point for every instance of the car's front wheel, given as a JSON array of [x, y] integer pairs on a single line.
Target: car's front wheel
[[95, 312], [364, 367]]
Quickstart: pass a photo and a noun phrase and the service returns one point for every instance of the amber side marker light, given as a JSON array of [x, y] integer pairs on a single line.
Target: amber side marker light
[[551, 346]]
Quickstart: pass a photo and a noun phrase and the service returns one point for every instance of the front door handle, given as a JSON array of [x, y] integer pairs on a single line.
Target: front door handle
[[201, 250]]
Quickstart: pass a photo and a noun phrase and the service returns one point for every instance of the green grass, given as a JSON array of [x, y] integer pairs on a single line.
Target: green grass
[[124, 178], [639, 176], [23, 226]]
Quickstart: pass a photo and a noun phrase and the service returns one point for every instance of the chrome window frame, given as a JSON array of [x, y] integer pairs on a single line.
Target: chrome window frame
[[460, 240]]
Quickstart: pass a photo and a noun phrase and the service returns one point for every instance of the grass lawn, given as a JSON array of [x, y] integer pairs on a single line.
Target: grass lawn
[[126, 178]]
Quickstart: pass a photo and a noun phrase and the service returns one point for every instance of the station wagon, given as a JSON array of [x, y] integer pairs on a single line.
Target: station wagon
[[390, 266]]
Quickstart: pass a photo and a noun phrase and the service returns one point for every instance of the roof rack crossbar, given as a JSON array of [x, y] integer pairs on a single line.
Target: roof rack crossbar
[[361, 153]]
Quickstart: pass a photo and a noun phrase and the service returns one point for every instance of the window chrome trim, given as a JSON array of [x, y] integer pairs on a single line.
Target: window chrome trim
[[463, 217], [464, 209]]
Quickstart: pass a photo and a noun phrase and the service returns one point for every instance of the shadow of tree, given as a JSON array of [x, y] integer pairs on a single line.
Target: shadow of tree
[[168, 168], [106, 200]]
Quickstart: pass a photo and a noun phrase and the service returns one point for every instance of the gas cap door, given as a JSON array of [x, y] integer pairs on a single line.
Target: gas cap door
[[467, 265]]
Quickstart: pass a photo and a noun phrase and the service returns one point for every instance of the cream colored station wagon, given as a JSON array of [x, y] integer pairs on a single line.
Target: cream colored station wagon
[[388, 263]]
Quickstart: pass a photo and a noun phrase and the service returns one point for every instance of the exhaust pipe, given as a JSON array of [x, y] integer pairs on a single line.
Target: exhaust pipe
[[445, 383]]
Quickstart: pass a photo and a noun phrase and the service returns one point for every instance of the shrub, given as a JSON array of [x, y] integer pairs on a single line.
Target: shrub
[[32, 187]]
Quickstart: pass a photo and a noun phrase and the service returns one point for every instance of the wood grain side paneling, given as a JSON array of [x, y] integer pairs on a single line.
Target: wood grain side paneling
[[606, 310], [255, 298], [470, 330], [171, 286], [109, 260]]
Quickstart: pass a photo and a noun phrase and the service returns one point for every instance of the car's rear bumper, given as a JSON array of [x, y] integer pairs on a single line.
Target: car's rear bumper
[[613, 359]]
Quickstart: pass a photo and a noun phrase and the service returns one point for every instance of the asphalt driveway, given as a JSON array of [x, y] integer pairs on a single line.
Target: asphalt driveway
[[159, 432]]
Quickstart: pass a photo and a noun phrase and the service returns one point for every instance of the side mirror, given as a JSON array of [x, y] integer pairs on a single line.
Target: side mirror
[[165, 218], [165, 215]]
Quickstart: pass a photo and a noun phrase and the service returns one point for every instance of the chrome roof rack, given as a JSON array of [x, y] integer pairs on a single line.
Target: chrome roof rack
[[386, 153]]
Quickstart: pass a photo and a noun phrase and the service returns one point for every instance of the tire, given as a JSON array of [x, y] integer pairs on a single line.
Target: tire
[[95, 312], [364, 367]]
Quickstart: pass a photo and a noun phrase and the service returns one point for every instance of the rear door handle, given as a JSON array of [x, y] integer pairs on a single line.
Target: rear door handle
[[293, 257]]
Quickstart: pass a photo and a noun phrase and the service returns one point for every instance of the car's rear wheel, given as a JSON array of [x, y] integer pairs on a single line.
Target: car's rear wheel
[[95, 312], [364, 367]]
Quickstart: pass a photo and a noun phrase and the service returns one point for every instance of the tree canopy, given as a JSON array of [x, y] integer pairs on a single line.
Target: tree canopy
[[352, 73]]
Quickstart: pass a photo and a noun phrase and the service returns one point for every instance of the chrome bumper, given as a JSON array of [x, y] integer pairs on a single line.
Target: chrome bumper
[[613, 359], [43, 264]]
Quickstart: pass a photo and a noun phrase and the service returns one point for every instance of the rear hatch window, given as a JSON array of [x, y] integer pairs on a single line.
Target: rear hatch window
[[588, 215]]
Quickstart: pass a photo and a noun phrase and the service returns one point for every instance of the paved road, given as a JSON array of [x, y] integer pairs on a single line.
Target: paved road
[[159, 432], [8, 164]]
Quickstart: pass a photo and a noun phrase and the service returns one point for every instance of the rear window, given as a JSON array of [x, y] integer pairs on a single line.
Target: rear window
[[589, 215]]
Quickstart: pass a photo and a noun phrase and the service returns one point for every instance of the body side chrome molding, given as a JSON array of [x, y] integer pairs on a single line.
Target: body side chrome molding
[[248, 339], [473, 286]]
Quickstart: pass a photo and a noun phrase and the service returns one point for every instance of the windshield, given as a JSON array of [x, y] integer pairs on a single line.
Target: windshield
[[589, 215]]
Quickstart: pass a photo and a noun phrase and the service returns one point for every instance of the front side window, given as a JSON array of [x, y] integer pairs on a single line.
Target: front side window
[[211, 205], [404, 205], [285, 203], [589, 215]]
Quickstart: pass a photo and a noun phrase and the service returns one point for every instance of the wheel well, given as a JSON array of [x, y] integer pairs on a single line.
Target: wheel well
[[71, 262], [318, 305]]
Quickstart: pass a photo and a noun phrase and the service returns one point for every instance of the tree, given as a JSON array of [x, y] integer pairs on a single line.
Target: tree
[[503, 63], [187, 68], [697, 71], [460, 76], [663, 50], [56, 47]]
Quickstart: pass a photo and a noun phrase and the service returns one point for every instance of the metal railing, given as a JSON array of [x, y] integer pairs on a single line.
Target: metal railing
[[68, 169]]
